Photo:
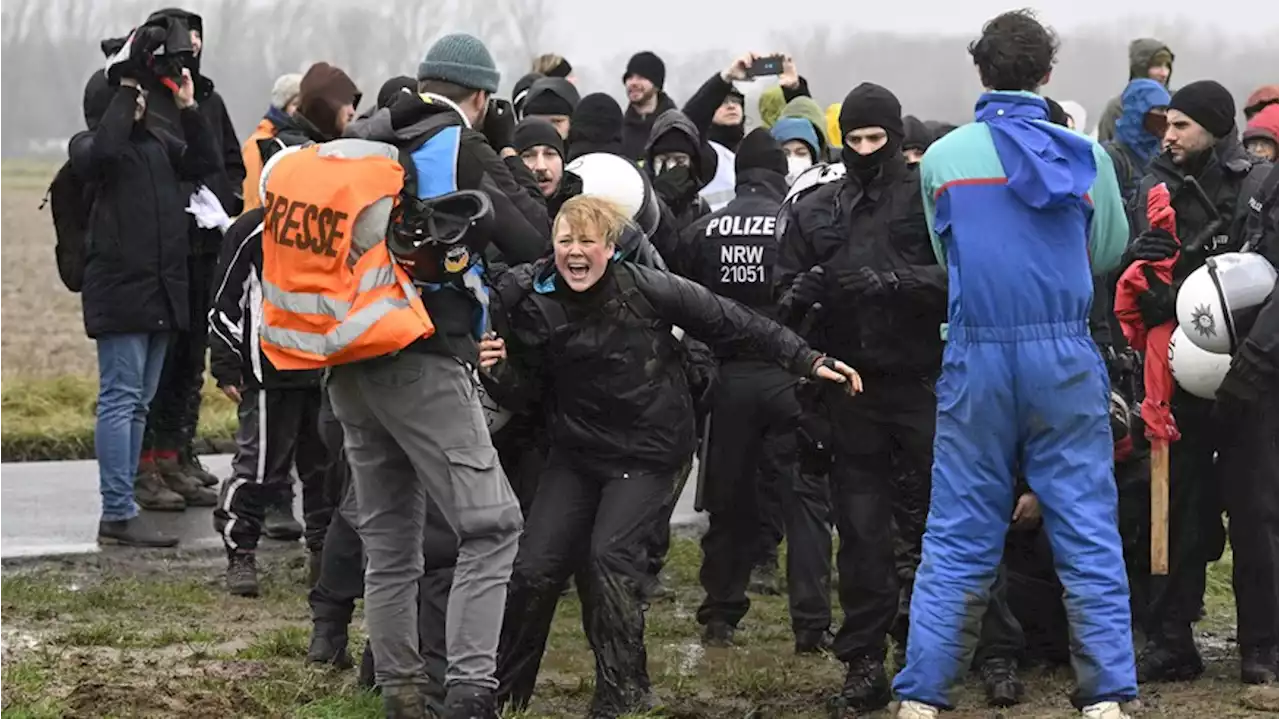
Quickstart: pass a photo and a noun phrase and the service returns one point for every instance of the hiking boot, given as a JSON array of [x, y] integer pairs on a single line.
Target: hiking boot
[[1000, 678], [242, 574], [718, 633], [189, 488], [365, 679], [866, 688], [191, 466], [278, 523], [1159, 662], [764, 580], [151, 494], [910, 709], [315, 562], [465, 701], [131, 533], [329, 645], [813, 641], [1104, 710], [405, 701], [1258, 665]]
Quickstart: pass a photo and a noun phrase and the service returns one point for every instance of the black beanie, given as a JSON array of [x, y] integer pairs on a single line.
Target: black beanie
[[759, 150], [393, 88], [674, 140], [869, 105], [1209, 104], [551, 96], [596, 126], [534, 131], [647, 65], [520, 92]]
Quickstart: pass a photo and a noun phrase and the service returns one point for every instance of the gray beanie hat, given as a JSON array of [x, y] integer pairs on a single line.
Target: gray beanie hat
[[461, 59], [286, 89]]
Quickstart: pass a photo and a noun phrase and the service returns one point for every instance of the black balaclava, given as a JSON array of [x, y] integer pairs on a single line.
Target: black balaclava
[[869, 105]]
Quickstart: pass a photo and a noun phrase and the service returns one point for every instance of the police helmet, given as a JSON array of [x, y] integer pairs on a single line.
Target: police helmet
[[440, 238], [1219, 301], [618, 179], [811, 179], [1196, 370]]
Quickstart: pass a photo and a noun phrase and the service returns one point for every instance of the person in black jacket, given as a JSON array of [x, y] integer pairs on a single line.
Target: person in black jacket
[[755, 412], [278, 412], [717, 107], [135, 291], [857, 259], [596, 126], [595, 336], [643, 80], [171, 424], [679, 164]]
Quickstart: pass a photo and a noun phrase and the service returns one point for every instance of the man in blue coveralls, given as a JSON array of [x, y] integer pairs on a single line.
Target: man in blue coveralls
[[1023, 213]]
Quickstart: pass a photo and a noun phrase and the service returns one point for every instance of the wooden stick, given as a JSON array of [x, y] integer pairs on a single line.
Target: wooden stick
[[1159, 507]]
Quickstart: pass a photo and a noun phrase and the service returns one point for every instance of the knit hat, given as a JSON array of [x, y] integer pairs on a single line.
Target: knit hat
[[869, 105], [674, 140], [323, 91], [520, 92], [534, 131], [1265, 124], [798, 128], [285, 90], [1209, 104], [770, 105], [461, 59], [393, 88], [759, 150], [550, 96], [805, 108], [647, 65], [596, 126], [915, 135]]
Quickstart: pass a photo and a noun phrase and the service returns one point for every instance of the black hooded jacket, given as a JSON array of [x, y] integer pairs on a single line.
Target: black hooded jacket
[[845, 226], [636, 128], [702, 107], [703, 167], [607, 364], [138, 242]]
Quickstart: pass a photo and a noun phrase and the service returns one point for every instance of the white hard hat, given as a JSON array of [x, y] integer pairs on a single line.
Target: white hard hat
[[1195, 370], [1219, 301], [617, 179]]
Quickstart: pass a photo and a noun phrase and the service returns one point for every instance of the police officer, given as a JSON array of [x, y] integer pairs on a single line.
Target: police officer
[[732, 252], [860, 248], [1211, 179]]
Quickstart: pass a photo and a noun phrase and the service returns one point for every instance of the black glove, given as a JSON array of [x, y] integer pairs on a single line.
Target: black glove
[[676, 187], [1153, 245], [808, 288], [132, 57], [1158, 304], [500, 125], [865, 281], [406, 109]]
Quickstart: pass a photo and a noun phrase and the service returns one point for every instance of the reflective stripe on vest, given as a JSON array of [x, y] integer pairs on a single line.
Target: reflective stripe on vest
[[312, 304]]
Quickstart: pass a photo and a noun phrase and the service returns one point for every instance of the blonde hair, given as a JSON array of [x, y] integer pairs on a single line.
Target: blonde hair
[[547, 62], [593, 214]]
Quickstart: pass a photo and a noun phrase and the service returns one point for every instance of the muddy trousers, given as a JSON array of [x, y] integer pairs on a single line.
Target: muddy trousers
[[416, 435], [886, 430], [588, 520], [755, 411], [279, 428], [175, 411]]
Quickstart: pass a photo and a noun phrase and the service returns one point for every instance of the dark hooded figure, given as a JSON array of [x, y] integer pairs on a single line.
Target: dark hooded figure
[[1148, 58], [680, 164], [520, 92], [916, 139], [596, 127], [171, 425], [554, 100], [393, 88]]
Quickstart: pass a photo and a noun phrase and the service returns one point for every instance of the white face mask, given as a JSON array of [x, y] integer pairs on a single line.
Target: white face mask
[[795, 166]]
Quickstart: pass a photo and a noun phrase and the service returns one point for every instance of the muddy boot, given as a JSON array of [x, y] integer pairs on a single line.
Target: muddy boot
[[813, 641], [718, 633], [279, 523], [242, 574], [1258, 665], [1000, 678], [329, 645], [866, 688], [470, 702], [151, 494], [366, 678], [189, 488], [194, 468], [1164, 660], [764, 580], [131, 533], [405, 701]]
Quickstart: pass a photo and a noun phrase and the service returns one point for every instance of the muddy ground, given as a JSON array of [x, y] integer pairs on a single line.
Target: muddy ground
[[125, 634]]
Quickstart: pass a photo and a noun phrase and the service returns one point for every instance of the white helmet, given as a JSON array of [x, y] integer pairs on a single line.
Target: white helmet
[[1195, 370], [1219, 301], [616, 178]]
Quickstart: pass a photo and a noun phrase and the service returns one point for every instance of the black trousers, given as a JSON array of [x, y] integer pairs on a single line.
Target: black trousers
[[522, 450], [883, 432], [755, 410], [175, 411], [593, 521], [279, 428], [778, 465], [1001, 636]]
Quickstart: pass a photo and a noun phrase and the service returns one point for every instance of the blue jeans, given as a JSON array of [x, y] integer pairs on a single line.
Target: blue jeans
[[128, 373]]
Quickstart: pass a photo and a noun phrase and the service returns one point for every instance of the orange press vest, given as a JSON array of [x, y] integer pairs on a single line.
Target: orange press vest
[[324, 304]]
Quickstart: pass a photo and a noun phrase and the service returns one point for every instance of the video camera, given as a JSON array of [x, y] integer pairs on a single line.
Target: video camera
[[155, 53]]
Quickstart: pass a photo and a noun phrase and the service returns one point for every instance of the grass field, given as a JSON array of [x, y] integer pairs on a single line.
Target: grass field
[[116, 635]]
